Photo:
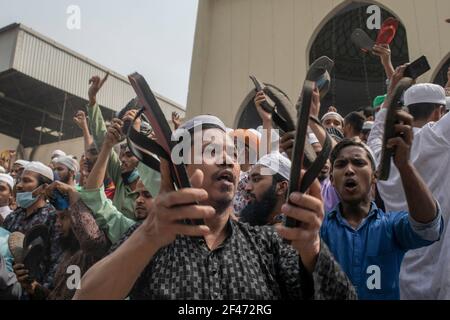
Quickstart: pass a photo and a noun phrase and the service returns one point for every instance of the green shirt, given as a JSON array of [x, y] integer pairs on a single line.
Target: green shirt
[[107, 216], [124, 197]]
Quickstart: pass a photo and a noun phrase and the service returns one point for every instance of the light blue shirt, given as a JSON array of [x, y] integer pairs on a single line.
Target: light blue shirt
[[372, 254], [4, 249]]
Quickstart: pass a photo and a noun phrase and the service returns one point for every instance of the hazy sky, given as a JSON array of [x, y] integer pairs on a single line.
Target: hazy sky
[[153, 37]]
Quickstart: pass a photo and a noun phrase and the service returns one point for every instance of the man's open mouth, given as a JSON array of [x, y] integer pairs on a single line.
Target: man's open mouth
[[226, 176], [350, 184]]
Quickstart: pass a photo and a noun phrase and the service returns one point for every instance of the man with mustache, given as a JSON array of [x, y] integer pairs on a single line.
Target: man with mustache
[[220, 258], [268, 186], [369, 243]]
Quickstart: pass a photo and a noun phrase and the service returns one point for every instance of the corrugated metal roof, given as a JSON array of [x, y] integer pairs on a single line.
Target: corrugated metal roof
[[48, 61]]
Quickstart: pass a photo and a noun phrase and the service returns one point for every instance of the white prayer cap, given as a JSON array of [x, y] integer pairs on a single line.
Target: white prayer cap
[[2, 170], [425, 93], [206, 121], [58, 153], [368, 125], [69, 162], [312, 138], [22, 163], [39, 167], [333, 114], [8, 179], [277, 163], [448, 102]]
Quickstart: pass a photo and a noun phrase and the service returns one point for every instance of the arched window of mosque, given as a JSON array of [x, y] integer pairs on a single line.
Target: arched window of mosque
[[357, 77]]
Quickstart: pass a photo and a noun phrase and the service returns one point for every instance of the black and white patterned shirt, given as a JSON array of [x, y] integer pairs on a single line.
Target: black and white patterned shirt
[[253, 263], [21, 222]]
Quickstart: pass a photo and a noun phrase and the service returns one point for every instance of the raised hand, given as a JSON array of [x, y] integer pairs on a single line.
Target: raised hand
[[96, 84], [170, 207], [403, 142], [176, 120], [308, 210], [259, 99], [114, 134], [80, 120]]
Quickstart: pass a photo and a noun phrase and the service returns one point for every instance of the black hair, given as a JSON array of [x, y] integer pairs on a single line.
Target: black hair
[[350, 143], [368, 112], [276, 178], [422, 111], [356, 121], [43, 180], [92, 149]]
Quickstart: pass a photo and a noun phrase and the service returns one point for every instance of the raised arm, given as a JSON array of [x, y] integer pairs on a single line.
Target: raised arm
[[266, 118], [81, 121], [421, 204], [318, 130], [384, 52]]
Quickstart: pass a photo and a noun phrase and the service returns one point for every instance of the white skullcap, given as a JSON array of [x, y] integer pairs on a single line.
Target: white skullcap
[[425, 93], [448, 102], [312, 138], [39, 167], [203, 120], [69, 162], [333, 114], [58, 153], [277, 163], [368, 125], [2, 170], [8, 179], [22, 163]]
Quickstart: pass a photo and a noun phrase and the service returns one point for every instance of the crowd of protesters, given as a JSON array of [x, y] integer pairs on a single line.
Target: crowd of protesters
[[117, 229]]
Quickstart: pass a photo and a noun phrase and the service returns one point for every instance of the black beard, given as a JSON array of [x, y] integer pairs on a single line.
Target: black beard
[[70, 242], [322, 177], [256, 212]]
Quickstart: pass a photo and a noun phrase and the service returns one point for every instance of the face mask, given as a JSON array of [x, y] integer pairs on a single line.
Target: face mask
[[26, 199], [56, 176], [130, 177]]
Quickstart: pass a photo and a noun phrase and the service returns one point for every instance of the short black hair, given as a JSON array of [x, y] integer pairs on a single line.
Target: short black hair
[[422, 111], [356, 121], [350, 143], [276, 178], [43, 180], [368, 112]]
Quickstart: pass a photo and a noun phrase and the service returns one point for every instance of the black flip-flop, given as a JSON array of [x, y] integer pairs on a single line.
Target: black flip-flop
[[297, 182], [320, 73], [393, 105], [163, 133], [34, 255], [362, 40], [284, 123]]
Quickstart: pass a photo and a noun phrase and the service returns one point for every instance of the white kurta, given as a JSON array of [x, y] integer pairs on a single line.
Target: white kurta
[[425, 273]]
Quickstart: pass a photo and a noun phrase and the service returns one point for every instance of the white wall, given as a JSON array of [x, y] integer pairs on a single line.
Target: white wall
[[43, 152], [7, 142]]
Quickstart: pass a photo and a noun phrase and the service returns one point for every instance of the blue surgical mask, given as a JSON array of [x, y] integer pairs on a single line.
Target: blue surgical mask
[[129, 178], [56, 176], [26, 199]]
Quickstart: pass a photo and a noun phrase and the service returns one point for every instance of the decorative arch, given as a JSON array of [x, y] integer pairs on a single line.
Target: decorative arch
[[247, 116], [357, 77], [440, 74]]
